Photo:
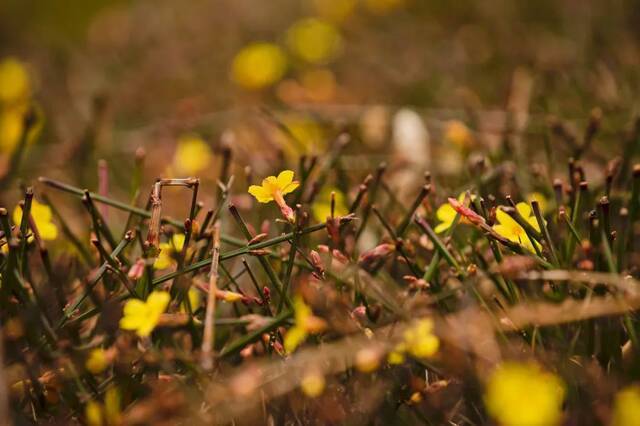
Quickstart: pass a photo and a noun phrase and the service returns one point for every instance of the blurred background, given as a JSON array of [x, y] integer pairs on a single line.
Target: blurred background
[[275, 79]]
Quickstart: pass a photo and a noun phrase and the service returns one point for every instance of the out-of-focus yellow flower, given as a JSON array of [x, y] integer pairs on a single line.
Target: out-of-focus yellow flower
[[258, 65], [335, 10], [274, 189], [15, 85], [626, 407], [383, 7], [112, 406], [321, 208], [418, 340], [42, 216], [12, 125], [541, 199], [457, 133], [192, 156], [314, 40], [142, 317], [97, 361], [93, 413], [511, 230], [167, 250], [312, 384], [194, 298], [447, 215], [523, 394], [109, 413], [305, 323]]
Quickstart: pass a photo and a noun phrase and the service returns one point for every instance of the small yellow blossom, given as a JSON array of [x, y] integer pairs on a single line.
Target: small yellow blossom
[[314, 40], [418, 340], [305, 323], [511, 230], [194, 298], [93, 413], [112, 406], [109, 413], [457, 133], [15, 85], [258, 65], [312, 384], [447, 215], [97, 361], [167, 250], [42, 216], [397, 355], [321, 208], [193, 155], [523, 394], [143, 317], [626, 407], [274, 188]]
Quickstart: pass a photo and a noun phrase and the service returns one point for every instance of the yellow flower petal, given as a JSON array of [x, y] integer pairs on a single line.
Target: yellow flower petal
[[285, 178], [441, 227], [290, 188], [261, 194], [626, 407], [14, 81], [524, 394], [294, 337], [524, 209]]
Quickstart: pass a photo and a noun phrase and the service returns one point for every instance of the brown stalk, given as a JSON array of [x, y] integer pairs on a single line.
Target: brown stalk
[[208, 339]]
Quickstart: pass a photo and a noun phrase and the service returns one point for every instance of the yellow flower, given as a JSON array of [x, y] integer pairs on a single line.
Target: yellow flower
[[511, 230], [523, 394], [314, 40], [626, 407], [93, 413], [143, 317], [446, 215], [418, 341], [192, 156], [97, 361], [258, 65], [457, 133], [312, 384], [97, 414], [42, 216], [15, 85], [321, 208], [274, 188], [194, 300], [305, 323], [112, 406], [167, 250]]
